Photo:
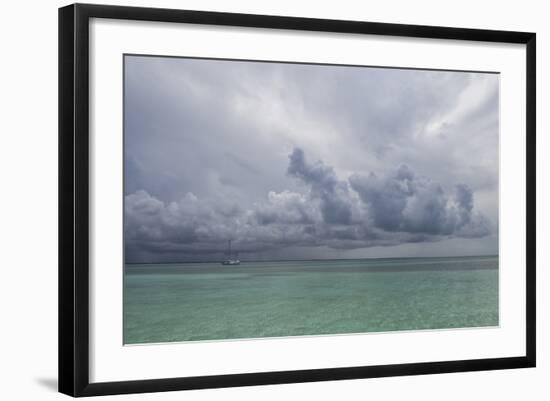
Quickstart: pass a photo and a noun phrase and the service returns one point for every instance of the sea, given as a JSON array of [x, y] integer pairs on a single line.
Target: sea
[[210, 301]]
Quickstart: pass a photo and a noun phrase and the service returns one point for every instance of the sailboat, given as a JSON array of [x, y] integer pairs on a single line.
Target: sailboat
[[231, 260]]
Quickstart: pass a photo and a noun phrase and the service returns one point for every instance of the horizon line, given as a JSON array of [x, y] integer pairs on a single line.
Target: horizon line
[[309, 260]]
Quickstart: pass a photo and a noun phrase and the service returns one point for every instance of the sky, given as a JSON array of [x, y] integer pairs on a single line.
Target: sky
[[305, 161]]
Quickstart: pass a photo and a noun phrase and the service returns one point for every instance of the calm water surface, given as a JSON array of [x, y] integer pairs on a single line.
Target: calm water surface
[[208, 301]]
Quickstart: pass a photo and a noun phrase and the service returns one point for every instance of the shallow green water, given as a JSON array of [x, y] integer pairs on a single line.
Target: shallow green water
[[208, 301]]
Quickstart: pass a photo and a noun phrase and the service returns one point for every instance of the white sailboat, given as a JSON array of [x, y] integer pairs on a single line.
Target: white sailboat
[[231, 260]]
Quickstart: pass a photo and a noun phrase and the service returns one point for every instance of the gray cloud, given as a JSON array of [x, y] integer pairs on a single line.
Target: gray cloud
[[208, 142], [334, 196], [404, 202], [370, 211]]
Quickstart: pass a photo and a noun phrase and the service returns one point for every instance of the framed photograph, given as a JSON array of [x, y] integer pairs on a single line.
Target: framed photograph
[[251, 199]]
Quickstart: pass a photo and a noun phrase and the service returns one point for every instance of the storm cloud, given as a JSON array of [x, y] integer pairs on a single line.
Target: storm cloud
[[404, 202], [363, 211], [302, 161], [333, 194]]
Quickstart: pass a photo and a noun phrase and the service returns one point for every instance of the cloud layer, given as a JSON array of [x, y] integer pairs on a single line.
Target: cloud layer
[[360, 212], [303, 161]]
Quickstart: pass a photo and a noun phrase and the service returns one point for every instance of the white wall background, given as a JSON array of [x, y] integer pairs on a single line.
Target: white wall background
[[28, 200]]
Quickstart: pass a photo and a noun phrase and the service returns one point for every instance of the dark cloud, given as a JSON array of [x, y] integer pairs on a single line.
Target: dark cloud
[[208, 142], [333, 194], [369, 211], [406, 203]]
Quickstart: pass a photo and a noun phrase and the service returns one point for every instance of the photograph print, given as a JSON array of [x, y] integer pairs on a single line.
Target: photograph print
[[268, 199]]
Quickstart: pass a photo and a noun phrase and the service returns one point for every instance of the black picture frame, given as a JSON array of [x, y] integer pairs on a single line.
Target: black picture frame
[[74, 201]]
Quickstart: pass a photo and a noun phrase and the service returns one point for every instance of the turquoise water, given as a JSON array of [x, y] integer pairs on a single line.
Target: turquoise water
[[208, 301]]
